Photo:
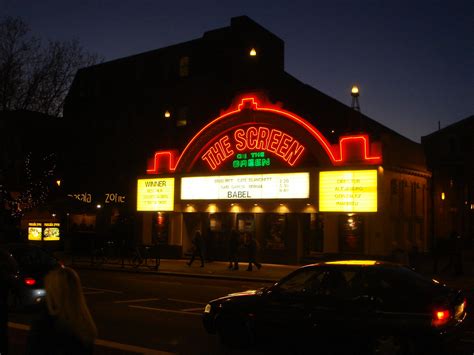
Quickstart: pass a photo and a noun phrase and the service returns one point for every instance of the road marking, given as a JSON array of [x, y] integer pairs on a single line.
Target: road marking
[[159, 281], [138, 300], [165, 310], [106, 343], [185, 301], [193, 309], [102, 289], [467, 340], [93, 292], [132, 348]]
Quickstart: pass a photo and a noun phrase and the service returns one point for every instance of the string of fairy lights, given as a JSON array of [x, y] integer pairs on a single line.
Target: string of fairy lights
[[36, 188]]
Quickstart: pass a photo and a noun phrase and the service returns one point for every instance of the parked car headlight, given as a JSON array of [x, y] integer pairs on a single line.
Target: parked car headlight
[[207, 309]]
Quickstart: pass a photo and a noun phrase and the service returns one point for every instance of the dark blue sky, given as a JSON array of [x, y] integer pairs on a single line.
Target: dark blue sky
[[413, 59]]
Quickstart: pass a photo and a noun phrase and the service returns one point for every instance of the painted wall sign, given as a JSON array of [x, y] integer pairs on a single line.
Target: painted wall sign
[[348, 191], [261, 138], [155, 194], [246, 187]]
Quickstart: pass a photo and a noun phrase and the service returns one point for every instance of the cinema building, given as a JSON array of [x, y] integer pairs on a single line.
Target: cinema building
[[213, 135]]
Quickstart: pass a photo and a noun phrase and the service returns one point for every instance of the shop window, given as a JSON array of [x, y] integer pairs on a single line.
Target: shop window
[[160, 228], [184, 67], [182, 119], [275, 231]]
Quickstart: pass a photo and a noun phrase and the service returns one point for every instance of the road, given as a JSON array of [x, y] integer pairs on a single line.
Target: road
[[153, 311], [164, 312]]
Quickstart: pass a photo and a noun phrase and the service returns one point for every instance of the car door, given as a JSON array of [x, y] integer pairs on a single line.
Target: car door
[[283, 311]]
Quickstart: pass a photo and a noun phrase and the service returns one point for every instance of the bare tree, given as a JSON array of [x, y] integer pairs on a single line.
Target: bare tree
[[34, 76]]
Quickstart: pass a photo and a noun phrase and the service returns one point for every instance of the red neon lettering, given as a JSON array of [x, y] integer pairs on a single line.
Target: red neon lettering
[[263, 133], [239, 137], [283, 146], [209, 159], [226, 146], [294, 152], [274, 140], [252, 137]]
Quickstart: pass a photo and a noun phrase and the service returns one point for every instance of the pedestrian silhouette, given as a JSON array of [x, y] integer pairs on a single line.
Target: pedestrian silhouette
[[251, 245], [65, 326], [234, 241], [197, 248]]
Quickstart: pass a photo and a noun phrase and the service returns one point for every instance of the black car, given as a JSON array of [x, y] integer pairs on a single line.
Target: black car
[[355, 306], [26, 265]]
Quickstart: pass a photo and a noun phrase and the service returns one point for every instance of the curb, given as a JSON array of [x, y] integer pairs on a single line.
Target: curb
[[177, 273]]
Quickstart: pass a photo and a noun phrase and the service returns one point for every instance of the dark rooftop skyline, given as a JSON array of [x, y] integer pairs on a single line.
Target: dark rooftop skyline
[[411, 59]]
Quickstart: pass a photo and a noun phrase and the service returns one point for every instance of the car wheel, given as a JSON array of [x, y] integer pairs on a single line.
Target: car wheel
[[235, 331], [393, 345]]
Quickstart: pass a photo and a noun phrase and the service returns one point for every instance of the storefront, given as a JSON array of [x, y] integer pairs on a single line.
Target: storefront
[[262, 170]]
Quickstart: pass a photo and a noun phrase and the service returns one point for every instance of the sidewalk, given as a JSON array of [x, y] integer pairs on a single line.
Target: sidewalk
[[178, 267], [268, 273]]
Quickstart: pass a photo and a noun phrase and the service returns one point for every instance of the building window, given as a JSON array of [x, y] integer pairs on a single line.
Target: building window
[[184, 67], [182, 119]]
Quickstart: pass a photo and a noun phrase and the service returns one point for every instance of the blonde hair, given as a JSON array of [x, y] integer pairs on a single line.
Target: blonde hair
[[65, 300]]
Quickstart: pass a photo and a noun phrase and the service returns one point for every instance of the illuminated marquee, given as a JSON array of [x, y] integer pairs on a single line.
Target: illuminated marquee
[[261, 138], [155, 194], [246, 187], [348, 191]]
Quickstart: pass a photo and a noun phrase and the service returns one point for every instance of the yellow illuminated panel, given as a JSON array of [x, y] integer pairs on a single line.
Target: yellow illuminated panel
[[34, 233], [155, 194], [246, 187], [352, 262], [51, 231], [348, 191]]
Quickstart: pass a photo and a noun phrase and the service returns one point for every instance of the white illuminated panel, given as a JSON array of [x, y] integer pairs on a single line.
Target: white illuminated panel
[[155, 194], [246, 187], [348, 191]]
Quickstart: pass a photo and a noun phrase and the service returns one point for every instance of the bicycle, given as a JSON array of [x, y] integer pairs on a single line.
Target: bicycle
[[141, 256], [98, 257]]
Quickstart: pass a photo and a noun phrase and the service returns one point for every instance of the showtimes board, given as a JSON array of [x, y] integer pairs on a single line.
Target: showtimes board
[[246, 187], [348, 191], [155, 194]]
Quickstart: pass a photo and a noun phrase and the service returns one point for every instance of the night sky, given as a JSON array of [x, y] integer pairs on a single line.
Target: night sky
[[413, 59]]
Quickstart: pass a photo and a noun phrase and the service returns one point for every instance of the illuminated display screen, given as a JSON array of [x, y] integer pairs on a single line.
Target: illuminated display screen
[[48, 231], [155, 194], [34, 233], [51, 231], [348, 191], [242, 187]]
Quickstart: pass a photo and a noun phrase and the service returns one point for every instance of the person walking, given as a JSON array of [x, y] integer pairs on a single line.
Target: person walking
[[197, 248], [251, 245], [65, 326], [234, 241]]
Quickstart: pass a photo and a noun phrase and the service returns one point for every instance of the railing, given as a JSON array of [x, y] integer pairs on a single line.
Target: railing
[[116, 253]]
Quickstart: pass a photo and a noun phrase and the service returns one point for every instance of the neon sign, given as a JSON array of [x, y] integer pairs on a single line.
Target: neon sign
[[251, 160], [263, 138], [353, 149]]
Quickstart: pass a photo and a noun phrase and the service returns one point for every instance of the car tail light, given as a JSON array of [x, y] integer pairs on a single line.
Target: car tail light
[[29, 281], [441, 316]]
